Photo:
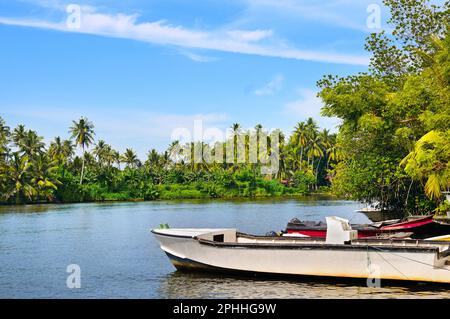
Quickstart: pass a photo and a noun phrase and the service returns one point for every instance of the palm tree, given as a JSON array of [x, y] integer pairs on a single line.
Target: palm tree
[[109, 155], [153, 158], [236, 127], [43, 170], [316, 150], [115, 155], [83, 134], [18, 179], [100, 151], [4, 139], [258, 129], [300, 140], [130, 158], [68, 150], [19, 134], [56, 151], [31, 145]]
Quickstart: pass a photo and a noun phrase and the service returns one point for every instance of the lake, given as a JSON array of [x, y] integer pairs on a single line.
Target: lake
[[119, 258]]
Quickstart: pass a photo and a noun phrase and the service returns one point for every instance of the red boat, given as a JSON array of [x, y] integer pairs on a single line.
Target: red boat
[[418, 228]]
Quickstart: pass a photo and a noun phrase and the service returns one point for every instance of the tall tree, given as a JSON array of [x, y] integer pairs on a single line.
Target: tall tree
[[130, 158], [83, 134]]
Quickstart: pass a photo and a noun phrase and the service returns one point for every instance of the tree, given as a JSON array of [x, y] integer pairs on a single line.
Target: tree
[[31, 145], [385, 112], [83, 134], [60, 150], [18, 179], [430, 162], [153, 158], [44, 176], [130, 158], [300, 140], [236, 127], [19, 134]]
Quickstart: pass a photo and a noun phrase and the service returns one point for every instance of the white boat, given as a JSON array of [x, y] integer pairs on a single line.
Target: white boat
[[339, 255]]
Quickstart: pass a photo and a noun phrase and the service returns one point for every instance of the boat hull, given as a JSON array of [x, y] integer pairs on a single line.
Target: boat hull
[[343, 261]]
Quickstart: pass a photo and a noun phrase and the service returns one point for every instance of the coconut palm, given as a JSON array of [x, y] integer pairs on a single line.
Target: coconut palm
[[43, 172], [31, 145], [153, 158], [300, 140], [18, 179], [68, 150], [100, 151], [316, 150], [57, 151], [130, 158], [109, 156], [19, 134], [236, 127], [4, 140], [116, 157], [83, 134]]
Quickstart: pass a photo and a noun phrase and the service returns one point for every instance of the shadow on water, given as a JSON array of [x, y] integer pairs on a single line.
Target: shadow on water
[[208, 285]]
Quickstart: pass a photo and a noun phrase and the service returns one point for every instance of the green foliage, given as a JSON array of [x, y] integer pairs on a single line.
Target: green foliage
[[384, 113]]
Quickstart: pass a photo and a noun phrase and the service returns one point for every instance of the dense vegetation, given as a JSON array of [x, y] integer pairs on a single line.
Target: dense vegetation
[[32, 172], [393, 146], [395, 136]]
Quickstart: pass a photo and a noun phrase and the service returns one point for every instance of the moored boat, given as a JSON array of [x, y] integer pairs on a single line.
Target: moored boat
[[340, 254], [419, 227]]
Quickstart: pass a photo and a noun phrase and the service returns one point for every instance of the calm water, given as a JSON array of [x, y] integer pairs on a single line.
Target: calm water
[[119, 257]]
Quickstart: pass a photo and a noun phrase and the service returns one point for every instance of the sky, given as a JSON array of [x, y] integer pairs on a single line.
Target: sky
[[141, 69]]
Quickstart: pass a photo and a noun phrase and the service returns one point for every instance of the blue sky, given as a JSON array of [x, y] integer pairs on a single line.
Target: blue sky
[[139, 69]]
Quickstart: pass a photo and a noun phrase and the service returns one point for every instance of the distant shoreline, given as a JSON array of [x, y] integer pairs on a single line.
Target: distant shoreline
[[325, 195]]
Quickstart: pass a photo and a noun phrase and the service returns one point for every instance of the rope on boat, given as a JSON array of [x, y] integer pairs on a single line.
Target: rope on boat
[[410, 259], [390, 263]]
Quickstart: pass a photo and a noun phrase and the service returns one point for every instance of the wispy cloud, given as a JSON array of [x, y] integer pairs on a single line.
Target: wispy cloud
[[197, 57], [309, 105], [270, 87], [253, 42]]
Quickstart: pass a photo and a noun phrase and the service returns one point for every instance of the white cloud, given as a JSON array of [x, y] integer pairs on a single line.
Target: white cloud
[[252, 42], [270, 87], [250, 36], [197, 57], [309, 105]]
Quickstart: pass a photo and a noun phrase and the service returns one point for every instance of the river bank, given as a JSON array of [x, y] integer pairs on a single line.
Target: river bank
[[184, 192]]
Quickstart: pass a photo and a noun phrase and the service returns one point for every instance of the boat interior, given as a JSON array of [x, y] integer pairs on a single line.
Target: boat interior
[[233, 237]]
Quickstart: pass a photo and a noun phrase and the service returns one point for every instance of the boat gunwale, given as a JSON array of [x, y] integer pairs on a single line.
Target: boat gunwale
[[382, 241], [322, 246], [155, 232]]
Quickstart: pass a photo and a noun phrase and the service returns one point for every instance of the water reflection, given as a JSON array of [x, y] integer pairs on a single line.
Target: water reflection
[[196, 285]]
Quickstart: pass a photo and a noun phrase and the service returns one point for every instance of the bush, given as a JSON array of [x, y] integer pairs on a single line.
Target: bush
[[116, 196], [303, 181]]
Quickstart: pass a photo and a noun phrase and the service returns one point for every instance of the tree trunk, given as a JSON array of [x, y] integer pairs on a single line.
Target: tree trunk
[[82, 168], [301, 157], [317, 172]]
